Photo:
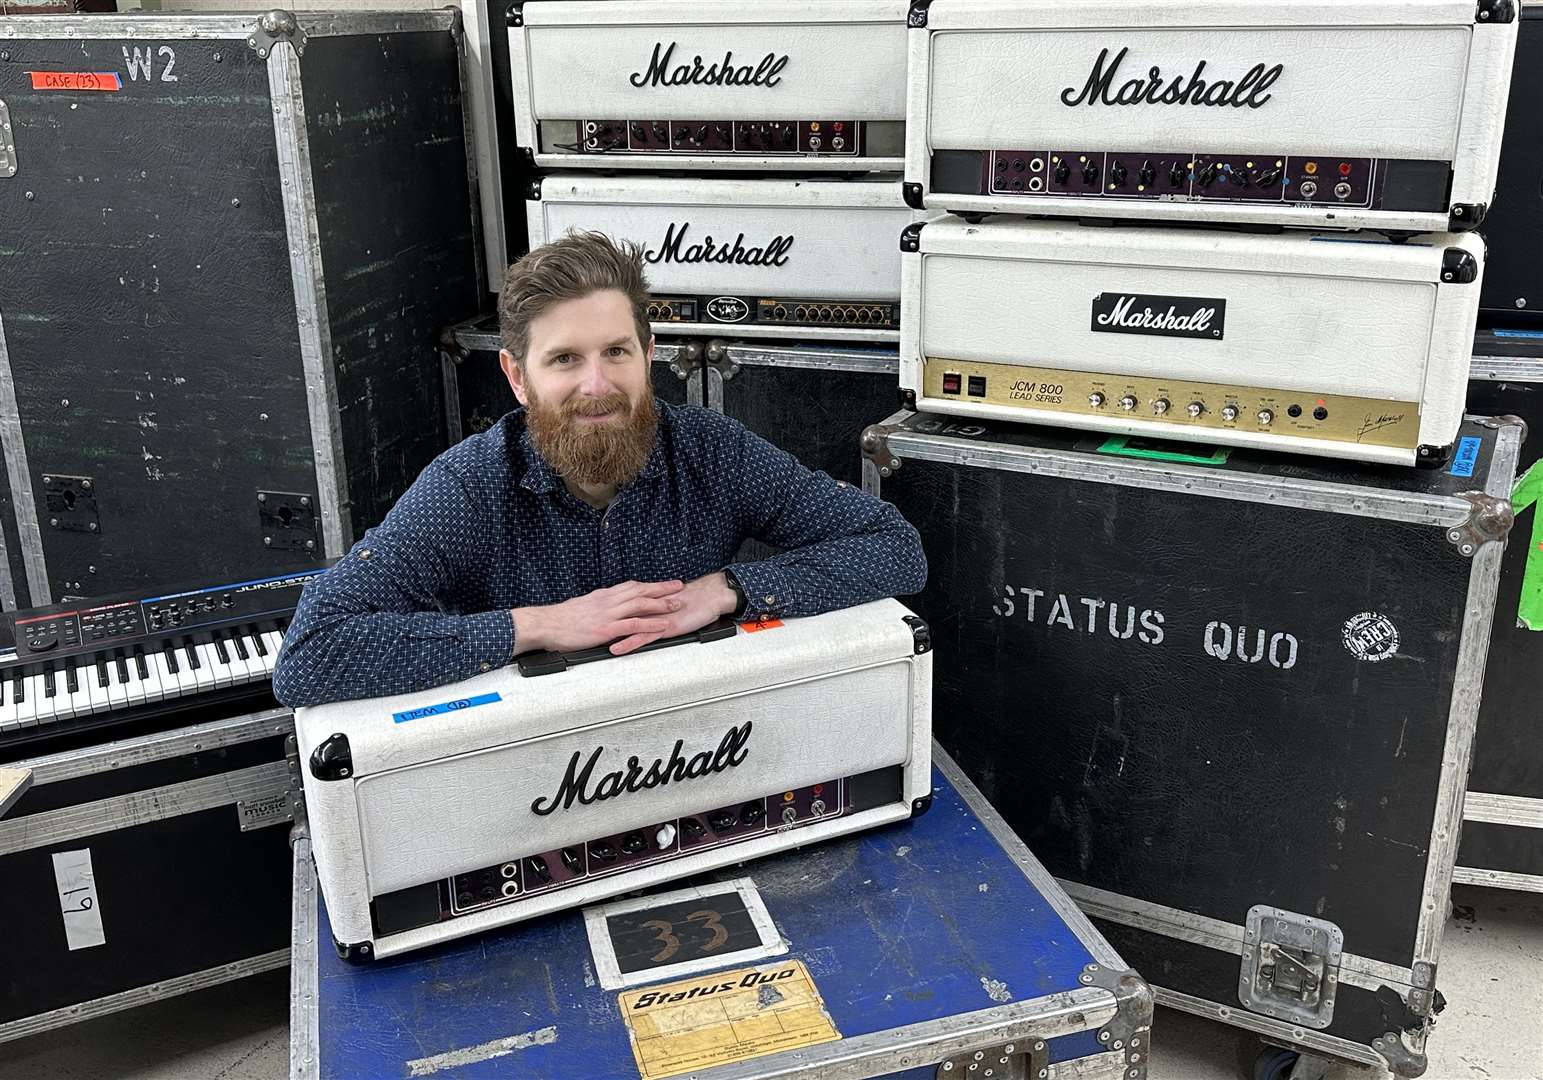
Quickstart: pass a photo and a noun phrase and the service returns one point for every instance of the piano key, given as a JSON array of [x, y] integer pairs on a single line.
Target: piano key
[[262, 660], [31, 697], [134, 687], [55, 706], [149, 677], [275, 641], [259, 642], [169, 653], [71, 676], [210, 672], [96, 690], [8, 720], [117, 692], [101, 673], [243, 658], [225, 673], [120, 667], [19, 687], [193, 656], [220, 652], [79, 685], [171, 681]]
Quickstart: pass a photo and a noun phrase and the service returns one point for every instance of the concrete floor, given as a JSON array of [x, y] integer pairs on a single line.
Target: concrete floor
[[1491, 974]]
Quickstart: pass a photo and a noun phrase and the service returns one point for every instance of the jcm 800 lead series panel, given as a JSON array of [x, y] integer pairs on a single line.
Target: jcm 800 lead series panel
[[1333, 115], [681, 84], [1312, 343], [762, 258]]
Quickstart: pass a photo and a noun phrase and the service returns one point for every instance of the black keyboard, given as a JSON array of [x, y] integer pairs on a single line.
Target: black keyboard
[[140, 663]]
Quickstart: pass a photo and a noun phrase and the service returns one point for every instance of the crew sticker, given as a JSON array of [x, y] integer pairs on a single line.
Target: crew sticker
[[76, 80], [445, 707], [1370, 636], [717, 1019]]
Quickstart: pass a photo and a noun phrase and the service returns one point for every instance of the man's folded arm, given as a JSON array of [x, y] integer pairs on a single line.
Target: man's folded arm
[[842, 546], [373, 625]]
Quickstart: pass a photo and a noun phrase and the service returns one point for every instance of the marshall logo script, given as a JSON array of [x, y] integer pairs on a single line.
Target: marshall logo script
[[578, 782], [1164, 316], [675, 249], [768, 72], [1247, 92]]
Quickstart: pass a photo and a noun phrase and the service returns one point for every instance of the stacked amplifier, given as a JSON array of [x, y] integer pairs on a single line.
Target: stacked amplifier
[[1288, 259], [752, 151]]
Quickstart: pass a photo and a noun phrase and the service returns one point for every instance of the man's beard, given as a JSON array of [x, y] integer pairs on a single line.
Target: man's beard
[[611, 452]]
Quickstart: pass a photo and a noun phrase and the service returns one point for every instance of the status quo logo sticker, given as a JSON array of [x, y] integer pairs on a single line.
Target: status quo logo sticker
[[1370, 636]]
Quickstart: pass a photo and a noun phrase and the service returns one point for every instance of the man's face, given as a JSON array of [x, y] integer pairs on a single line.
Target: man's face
[[585, 385]]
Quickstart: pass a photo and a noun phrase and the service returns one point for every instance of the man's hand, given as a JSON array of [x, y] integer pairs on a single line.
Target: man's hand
[[629, 610], [700, 602]]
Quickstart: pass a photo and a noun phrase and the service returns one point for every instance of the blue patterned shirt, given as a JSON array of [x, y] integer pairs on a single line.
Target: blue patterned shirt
[[425, 598]]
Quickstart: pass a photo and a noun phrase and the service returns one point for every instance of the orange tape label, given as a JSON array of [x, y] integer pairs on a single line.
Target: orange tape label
[[766, 624], [76, 80]]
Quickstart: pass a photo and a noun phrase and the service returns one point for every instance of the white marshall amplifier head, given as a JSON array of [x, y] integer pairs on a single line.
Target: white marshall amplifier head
[[1319, 344], [758, 258], [1328, 114], [682, 84], [511, 795]]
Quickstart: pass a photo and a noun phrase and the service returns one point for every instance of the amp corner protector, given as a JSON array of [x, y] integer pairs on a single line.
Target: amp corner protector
[[1489, 519], [875, 448]]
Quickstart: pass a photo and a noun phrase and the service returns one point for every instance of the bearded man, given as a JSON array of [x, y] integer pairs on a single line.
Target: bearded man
[[593, 515]]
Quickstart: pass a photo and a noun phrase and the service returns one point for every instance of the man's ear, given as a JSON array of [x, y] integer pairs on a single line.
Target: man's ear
[[514, 373], [648, 354]]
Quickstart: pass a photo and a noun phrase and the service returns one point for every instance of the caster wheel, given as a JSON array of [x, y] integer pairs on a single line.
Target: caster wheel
[[1273, 1063]]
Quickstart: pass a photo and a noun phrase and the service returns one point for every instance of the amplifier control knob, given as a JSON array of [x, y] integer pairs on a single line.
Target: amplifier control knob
[[536, 866], [1063, 171], [1265, 417], [692, 828], [1096, 400], [789, 815], [573, 860], [633, 843], [665, 836], [1229, 412], [1090, 173], [1127, 403], [1118, 173], [1160, 406], [1195, 408], [1147, 174]]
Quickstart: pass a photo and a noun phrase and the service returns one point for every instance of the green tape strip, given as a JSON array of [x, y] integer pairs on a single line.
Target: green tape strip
[[1152, 450], [1529, 609]]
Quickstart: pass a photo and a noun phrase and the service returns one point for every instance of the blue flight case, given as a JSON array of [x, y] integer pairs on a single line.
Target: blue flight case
[[936, 947]]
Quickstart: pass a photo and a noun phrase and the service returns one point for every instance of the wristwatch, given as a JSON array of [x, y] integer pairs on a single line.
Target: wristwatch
[[739, 593]]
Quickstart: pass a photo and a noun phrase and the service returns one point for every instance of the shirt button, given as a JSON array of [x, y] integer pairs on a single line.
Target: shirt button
[[364, 553], [771, 599], [486, 666]]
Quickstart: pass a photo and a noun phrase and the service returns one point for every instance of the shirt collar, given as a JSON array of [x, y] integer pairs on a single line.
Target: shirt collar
[[538, 476]]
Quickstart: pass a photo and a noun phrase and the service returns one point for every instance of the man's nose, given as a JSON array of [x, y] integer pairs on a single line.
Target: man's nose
[[596, 383]]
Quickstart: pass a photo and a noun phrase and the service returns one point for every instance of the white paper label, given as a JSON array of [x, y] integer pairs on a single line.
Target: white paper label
[[78, 900]]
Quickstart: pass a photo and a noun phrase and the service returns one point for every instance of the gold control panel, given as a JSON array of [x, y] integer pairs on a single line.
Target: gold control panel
[[1205, 406]]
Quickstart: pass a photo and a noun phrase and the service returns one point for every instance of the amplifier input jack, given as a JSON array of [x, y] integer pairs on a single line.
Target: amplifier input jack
[[507, 870], [1036, 183], [1309, 189], [510, 888], [779, 312], [1036, 165]]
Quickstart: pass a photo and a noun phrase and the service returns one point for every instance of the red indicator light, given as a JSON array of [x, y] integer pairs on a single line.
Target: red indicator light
[[819, 788], [951, 380], [1344, 168], [837, 125]]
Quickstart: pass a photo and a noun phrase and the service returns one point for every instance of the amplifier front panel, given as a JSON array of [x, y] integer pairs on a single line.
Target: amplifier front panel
[[1368, 92], [660, 85], [783, 737], [754, 257]]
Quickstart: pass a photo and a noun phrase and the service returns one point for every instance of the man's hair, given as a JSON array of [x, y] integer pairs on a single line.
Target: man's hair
[[570, 268]]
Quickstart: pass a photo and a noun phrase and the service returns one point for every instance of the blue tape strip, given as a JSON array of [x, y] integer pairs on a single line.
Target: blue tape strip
[[445, 707], [1467, 456], [1519, 333]]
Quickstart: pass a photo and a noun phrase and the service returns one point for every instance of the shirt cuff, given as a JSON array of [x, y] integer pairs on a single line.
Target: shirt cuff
[[488, 639], [766, 590]]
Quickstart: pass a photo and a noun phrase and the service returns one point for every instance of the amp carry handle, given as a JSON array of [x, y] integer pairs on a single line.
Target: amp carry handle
[[544, 663]]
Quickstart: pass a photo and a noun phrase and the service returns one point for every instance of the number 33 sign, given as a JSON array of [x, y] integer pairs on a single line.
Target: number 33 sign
[[680, 932]]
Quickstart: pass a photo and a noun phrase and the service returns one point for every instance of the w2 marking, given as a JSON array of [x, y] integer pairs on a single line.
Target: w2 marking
[[141, 64]]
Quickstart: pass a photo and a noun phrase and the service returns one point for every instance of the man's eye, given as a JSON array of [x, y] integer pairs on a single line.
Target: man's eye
[[564, 358], [616, 350]]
